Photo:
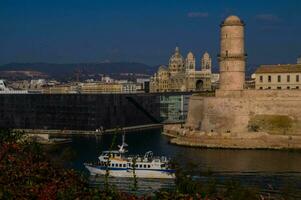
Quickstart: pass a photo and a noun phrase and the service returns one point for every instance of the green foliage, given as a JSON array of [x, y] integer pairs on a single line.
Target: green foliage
[[9, 136], [135, 182], [68, 154], [235, 191]]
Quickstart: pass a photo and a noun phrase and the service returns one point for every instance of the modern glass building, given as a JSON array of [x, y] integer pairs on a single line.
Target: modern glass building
[[174, 108]]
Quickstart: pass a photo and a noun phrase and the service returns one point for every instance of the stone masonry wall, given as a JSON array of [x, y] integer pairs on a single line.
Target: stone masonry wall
[[244, 111]]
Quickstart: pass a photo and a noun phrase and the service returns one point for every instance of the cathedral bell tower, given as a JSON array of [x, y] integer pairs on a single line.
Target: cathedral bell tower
[[190, 63]]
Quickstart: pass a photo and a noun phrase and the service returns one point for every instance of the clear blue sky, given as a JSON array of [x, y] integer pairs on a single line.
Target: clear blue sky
[[147, 31]]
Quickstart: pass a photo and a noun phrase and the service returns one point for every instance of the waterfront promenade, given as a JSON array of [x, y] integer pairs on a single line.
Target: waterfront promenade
[[64, 133]]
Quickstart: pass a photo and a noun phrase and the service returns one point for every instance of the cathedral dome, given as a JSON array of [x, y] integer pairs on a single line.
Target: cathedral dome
[[162, 68], [176, 57]]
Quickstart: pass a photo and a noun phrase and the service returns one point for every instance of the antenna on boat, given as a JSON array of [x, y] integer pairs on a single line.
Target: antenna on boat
[[123, 145]]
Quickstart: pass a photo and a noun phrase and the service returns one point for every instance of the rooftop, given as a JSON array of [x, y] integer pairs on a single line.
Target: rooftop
[[232, 20], [281, 68]]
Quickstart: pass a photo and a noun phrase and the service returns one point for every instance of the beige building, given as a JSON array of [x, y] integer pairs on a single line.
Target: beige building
[[100, 87], [60, 89], [181, 74], [92, 88], [278, 77]]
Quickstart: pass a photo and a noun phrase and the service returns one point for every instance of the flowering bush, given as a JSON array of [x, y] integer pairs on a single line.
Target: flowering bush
[[26, 173]]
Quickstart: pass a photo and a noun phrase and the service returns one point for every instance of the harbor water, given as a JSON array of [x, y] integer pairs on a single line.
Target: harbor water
[[269, 170]]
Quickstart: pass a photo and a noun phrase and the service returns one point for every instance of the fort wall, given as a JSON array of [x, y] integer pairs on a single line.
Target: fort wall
[[274, 112]]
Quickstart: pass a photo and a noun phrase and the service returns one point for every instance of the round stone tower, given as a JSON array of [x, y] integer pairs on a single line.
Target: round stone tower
[[232, 57]]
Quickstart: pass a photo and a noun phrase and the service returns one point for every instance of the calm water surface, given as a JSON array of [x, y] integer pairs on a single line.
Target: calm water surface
[[262, 168]]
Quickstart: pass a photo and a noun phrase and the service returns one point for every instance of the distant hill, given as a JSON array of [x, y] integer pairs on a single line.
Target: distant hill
[[61, 71], [67, 71]]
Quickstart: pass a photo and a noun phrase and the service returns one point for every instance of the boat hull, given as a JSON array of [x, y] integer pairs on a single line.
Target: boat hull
[[128, 173]]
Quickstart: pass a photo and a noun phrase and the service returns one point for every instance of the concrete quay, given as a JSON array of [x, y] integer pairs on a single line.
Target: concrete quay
[[66, 133], [249, 140]]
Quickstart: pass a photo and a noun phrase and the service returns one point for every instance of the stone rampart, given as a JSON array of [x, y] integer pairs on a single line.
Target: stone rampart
[[274, 112]]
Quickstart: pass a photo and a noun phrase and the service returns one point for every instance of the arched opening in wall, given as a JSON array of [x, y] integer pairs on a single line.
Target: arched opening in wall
[[199, 85]]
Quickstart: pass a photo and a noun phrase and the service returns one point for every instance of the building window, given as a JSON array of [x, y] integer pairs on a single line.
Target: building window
[[297, 78], [269, 88], [288, 78], [260, 88], [278, 88], [261, 78], [297, 87], [288, 87], [279, 78], [269, 78]]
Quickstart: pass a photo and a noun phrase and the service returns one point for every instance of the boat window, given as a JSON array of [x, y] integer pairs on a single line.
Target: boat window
[[120, 165], [162, 165], [124, 165], [148, 166], [112, 164], [136, 166], [144, 166], [140, 166]]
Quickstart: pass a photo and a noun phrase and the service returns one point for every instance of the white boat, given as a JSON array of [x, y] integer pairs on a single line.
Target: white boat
[[117, 164]]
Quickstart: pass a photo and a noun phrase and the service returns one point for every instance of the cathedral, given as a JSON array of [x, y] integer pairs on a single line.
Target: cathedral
[[181, 74]]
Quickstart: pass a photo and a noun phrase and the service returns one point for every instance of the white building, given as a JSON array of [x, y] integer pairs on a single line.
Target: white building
[[129, 87], [5, 90]]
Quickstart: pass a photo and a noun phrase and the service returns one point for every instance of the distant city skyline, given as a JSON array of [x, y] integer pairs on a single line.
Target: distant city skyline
[[143, 31]]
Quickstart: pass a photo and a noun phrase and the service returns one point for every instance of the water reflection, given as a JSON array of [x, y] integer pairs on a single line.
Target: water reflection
[[218, 160], [254, 167], [126, 184]]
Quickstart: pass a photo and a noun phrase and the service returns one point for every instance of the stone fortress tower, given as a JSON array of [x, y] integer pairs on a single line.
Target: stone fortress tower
[[232, 57], [234, 109]]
